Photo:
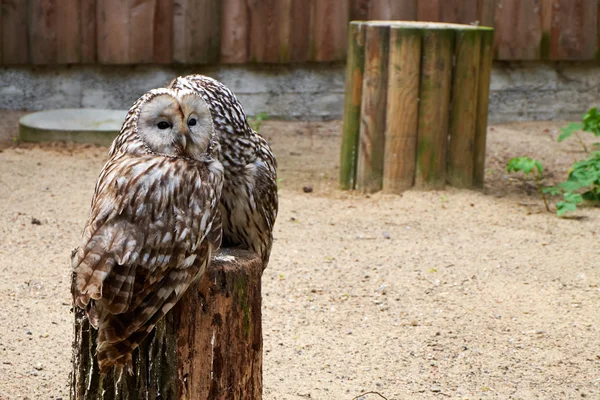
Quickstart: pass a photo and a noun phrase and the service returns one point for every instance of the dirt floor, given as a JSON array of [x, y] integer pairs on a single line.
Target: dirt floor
[[445, 294]]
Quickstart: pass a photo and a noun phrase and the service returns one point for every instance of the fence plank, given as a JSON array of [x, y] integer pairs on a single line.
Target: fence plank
[[141, 31], [42, 31], [234, 32], [359, 10], [486, 9], [393, 10], [269, 30], [197, 31], [87, 29], [301, 33], [574, 30], [429, 10], [113, 31], [162, 52], [15, 40], [458, 11], [518, 30], [330, 29], [68, 36]]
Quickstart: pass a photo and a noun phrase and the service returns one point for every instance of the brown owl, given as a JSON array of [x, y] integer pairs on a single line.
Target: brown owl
[[249, 199], [154, 222]]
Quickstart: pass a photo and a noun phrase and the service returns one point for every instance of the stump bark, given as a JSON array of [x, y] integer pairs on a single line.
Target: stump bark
[[208, 347]]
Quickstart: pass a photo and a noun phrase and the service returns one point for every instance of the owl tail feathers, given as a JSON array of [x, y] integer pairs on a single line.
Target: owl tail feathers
[[114, 351]]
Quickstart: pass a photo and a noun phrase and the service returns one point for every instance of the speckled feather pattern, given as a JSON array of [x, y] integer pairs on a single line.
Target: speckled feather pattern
[[249, 201], [153, 227]]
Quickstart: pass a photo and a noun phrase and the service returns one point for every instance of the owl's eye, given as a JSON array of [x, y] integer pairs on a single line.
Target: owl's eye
[[163, 125], [192, 122]]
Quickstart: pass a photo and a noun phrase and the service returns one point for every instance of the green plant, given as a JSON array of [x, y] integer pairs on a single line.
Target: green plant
[[583, 183], [590, 123], [530, 167], [256, 121]]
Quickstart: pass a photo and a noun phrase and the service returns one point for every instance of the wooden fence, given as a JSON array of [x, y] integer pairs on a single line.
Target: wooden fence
[[271, 31]]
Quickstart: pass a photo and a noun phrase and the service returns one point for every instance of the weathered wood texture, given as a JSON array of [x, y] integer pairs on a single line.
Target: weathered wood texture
[[483, 97], [434, 95], [369, 174], [272, 31], [402, 109], [463, 115], [352, 105], [208, 347]]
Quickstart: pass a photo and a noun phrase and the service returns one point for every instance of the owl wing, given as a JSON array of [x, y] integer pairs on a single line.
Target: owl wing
[[149, 214]]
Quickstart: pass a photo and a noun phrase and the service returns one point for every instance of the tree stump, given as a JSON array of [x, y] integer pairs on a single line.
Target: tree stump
[[423, 104], [209, 346]]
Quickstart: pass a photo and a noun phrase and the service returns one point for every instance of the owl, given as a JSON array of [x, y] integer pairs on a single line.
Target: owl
[[249, 200], [154, 222]]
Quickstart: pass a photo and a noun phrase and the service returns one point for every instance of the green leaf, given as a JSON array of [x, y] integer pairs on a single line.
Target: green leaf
[[563, 207], [568, 130], [573, 198], [525, 165], [552, 190]]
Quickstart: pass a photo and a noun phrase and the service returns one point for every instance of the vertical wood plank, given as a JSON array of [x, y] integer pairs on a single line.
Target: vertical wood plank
[[42, 31], [269, 30], [301, 35], [483, 98], [486, 9], [355, 67], [234, 32], [180, 38], [458, 11], [369, 176], [68, 35], [393, 10], [402, 109], [141, 31], [330, 29], [546, 15], [429, 10], [113, 31], [575, 30], [403, 10], [359, 10], [162, 51], [203, 24], [518, 30], [434, 95], [465, 79], [197, 31], [87, 29], [15, 38]]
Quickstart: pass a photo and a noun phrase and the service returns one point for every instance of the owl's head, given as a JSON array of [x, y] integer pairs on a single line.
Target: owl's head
[[175, 123]]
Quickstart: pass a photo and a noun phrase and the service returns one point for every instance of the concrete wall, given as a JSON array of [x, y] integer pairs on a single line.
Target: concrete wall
[[519, 91]]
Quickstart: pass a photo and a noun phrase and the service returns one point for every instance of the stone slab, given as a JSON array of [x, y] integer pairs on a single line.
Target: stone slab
[[80, 125]]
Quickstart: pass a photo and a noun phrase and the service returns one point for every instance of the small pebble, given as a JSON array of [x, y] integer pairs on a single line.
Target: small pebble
[[35, 221], [387, 235], [307, 189], [39, 367], [435, 389]]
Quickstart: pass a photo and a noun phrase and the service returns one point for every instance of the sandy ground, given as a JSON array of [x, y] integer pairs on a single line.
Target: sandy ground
[[445, 294]]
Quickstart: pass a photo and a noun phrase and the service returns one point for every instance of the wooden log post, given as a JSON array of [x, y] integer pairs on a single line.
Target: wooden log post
[[354, 80], [402, 109], [208, 347], [434, 95], [465, 80], [423, 106], [369, 175], [483, 98]]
